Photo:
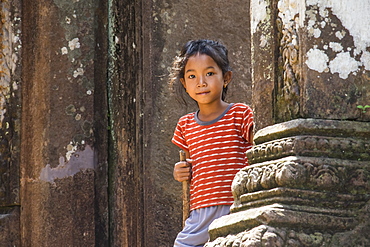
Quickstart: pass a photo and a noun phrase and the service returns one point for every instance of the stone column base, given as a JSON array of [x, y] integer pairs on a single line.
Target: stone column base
[[308, 185]]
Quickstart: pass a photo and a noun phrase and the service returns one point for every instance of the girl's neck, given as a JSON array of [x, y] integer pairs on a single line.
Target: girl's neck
[[208, 112]]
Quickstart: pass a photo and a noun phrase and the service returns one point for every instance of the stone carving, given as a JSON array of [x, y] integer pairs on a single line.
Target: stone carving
[[264, 235], [303, 173], [288, 91], [333, 147], [269, 236], [298, 168]]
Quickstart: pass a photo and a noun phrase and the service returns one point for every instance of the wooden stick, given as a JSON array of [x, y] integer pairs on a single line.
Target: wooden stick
[[185, 193]]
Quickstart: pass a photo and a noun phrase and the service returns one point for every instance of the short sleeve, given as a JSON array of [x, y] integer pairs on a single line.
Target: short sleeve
[[179, 137], [247, 123]]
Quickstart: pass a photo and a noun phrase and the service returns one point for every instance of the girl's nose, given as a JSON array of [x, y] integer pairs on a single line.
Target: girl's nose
[[202, 81]]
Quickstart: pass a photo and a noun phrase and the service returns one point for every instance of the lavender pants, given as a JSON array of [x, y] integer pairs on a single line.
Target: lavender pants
[[195, 232]]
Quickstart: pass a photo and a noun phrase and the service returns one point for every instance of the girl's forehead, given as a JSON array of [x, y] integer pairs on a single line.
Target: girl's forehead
[[200, 60]]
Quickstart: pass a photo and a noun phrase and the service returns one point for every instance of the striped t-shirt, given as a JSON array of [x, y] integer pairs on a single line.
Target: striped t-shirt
[[217, 149]]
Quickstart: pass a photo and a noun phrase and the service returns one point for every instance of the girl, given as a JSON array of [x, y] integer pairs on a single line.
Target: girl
[[215, 138]]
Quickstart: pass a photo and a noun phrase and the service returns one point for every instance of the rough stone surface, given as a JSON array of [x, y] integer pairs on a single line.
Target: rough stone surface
[[10, 51], [318, 61], [63, 188], [9, 226], [126, 111], [343, 84], [263, 54]]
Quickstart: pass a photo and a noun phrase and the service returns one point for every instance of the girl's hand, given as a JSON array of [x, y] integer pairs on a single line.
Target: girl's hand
[[182, 170]]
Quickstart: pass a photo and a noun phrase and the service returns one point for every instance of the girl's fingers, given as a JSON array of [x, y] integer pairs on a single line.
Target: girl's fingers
[[182, 164], [182, 171], [189, 161]]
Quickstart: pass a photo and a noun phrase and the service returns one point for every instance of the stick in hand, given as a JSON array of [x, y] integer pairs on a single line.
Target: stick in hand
[[185, 193]]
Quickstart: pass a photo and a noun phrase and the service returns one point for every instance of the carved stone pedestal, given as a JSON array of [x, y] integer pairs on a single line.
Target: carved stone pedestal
[[308, 185]]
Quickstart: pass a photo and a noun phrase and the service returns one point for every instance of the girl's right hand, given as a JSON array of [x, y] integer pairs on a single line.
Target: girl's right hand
[[182, 170]]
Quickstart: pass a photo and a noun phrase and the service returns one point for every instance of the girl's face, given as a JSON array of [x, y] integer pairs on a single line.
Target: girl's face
[[203, 79]]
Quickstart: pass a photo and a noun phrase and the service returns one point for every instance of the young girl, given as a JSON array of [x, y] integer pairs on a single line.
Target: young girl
[[215, 138]]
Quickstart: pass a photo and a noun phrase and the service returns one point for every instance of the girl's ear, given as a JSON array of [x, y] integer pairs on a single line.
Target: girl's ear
[[183, 82], [227, 77]]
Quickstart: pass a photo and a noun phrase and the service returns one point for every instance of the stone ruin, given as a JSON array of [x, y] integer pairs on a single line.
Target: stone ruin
[[86, 119], [308, 183]]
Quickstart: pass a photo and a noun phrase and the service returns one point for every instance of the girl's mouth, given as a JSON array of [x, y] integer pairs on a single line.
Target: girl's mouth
[[202, 93]]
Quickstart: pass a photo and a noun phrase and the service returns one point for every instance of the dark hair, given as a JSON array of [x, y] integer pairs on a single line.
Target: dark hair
[[215, 49]]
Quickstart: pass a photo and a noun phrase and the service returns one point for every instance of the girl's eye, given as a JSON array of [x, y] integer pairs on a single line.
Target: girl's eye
[[191, 76], [210, 73]]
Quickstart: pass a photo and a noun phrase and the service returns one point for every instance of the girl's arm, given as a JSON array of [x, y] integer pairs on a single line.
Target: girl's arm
[[251, 135]]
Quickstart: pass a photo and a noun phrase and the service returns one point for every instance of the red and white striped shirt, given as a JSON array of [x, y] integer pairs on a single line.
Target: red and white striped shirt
[[217, 149]]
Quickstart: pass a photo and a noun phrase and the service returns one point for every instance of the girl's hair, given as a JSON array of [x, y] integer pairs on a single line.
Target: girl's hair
[[215, 49]]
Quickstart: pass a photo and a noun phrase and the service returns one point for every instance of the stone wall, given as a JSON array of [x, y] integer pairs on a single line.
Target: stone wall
[[64, 119], [87, 116]]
